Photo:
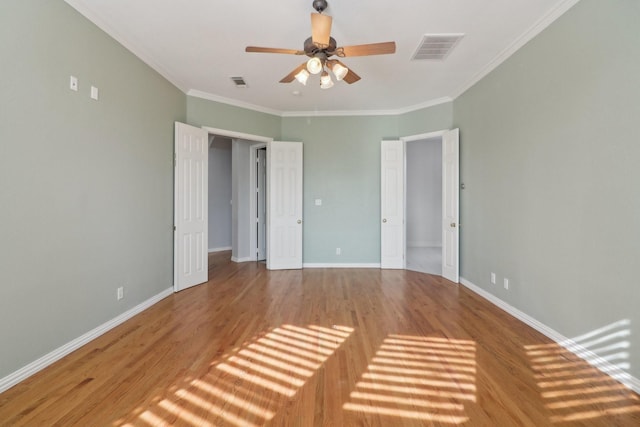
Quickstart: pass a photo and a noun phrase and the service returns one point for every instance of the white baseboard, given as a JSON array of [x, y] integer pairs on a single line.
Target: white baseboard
[[222, 249], [246, 259], [584, 353], [57, 354], [341, 265]]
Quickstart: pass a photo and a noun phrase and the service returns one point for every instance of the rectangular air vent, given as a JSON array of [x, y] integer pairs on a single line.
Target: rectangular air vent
[[239, 81], [436, 47]]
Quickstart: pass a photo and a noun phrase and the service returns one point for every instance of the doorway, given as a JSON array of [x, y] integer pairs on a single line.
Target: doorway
[[275, 234], [239, 203], [393, 198], [423, 212], [220, 196]]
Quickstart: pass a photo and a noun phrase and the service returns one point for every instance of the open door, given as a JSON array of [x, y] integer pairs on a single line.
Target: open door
[[450, 205], [190, 207], [261, 204], [392, 205], [284, 210]]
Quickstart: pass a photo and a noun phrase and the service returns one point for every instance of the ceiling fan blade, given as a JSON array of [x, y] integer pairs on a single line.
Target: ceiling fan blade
[[292, 75], [320, 29], [273, 50], [367, 49]]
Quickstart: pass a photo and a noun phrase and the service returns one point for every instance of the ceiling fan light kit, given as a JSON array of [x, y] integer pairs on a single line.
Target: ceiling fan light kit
[[303, 76], [319, 47]]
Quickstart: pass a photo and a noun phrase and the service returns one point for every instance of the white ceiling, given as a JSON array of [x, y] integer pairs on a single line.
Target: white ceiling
[[199, 44]]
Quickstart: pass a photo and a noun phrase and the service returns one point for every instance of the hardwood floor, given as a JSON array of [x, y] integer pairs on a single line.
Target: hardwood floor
[[320, 348]]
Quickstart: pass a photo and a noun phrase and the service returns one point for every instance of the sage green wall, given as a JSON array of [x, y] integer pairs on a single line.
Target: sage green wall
[[341, 167], [86, 187], [203, 112], [424, 120], [549, 157]]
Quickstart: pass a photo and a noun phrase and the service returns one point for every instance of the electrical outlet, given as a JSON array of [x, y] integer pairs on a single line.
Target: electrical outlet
[[120, 293], [493, 278], [506, 283], [73, 83], [338, 251]]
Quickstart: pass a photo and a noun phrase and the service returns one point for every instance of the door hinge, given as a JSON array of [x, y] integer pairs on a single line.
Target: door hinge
[[174, 228], [174, 160]]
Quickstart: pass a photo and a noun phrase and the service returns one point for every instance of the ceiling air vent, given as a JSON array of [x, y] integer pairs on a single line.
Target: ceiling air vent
[[436, 47], [239, 81]]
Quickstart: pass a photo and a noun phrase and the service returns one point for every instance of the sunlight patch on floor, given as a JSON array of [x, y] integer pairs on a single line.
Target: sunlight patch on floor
[[248, 386], [574, 389], [423, 378]]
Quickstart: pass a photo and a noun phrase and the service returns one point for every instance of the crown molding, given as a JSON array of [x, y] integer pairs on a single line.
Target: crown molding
[[335, 113], [329, 113], [233, 102], [426, 104], [533, 31], [82, 8]]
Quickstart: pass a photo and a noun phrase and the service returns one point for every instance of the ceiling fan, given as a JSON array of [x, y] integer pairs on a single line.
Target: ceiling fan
[[320, 47]]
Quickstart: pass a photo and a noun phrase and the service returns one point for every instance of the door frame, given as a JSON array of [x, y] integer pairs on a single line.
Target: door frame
[[410, 138], [261, 142], [253, 203]]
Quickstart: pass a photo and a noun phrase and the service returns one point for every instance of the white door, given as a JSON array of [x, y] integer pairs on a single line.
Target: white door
[[392, 205], [450, 204], [284, 200], [190, 265], [261, 199]]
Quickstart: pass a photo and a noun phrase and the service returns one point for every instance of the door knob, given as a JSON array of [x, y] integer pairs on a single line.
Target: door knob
[[384, 220], [299, 221], [453, 224]]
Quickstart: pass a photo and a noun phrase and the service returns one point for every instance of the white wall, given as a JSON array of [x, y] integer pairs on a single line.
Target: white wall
[[424, 193], [86, 195], [219, 193]]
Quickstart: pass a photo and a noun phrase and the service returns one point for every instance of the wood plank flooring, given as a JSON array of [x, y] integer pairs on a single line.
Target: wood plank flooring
[[318, 347]]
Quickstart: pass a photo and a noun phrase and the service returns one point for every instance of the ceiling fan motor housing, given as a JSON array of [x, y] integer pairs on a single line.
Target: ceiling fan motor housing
[[311, 49]]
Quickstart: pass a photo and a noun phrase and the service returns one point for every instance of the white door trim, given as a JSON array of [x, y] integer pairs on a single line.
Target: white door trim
[[237, 135], [420, 136]]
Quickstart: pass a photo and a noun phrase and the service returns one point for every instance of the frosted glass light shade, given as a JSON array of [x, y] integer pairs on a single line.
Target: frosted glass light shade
[[339, 71], [314, 65], [325, 81], [302, 76]]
